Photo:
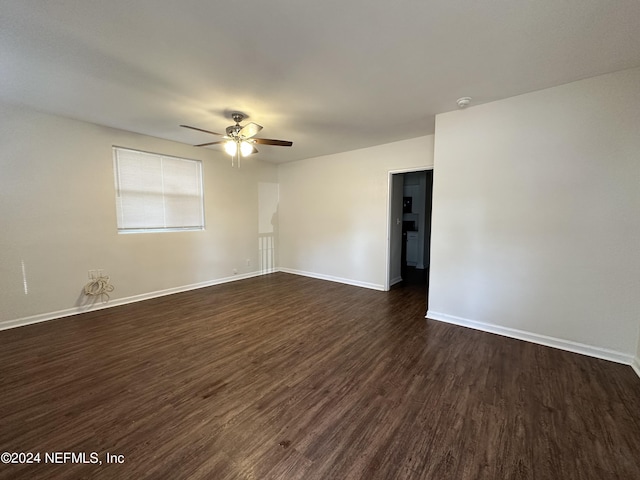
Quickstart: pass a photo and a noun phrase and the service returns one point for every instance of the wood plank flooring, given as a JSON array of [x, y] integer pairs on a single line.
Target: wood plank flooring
[[286, 377]]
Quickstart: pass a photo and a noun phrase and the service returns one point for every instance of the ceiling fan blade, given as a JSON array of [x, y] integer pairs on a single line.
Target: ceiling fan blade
[[268, 141], [201, 130], [210, 143], [249, 130]]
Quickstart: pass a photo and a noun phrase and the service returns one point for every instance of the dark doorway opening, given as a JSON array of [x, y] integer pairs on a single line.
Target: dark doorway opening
[[410, 227]]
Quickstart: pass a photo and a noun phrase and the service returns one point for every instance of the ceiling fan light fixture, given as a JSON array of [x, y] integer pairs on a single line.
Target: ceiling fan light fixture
[[239, 140], [246, 149], [231, 147]]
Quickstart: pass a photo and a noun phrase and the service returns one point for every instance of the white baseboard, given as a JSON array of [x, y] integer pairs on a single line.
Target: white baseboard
[[394, 281], [347, 281], [636, 365], [561, 344], [568, 345], [43, 317]]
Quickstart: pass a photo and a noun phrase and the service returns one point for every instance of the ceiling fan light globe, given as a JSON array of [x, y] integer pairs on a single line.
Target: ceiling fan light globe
[[230, 147], [246, 149]]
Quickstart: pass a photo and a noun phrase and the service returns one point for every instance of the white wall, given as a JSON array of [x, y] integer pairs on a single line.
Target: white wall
[[334, 211], [57, 213], [536, 222]]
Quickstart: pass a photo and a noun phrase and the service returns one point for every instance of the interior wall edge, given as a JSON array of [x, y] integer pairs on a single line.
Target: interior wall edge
[[575, 347], [636, 365], [44, 317], [346, 281]]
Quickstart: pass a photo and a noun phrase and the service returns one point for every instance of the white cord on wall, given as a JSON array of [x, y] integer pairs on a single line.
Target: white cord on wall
[[99, 286]]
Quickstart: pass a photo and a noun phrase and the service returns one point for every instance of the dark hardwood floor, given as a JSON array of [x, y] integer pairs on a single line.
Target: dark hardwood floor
[[286, 377]]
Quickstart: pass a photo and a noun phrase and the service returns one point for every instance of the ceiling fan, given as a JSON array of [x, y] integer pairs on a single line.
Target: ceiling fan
[[239, 140]]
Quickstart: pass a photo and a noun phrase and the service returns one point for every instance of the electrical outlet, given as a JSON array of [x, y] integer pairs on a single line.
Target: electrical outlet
[[94, 274], [248, 262], [235, 271]]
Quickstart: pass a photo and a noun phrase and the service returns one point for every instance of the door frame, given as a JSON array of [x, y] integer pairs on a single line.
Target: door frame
[[387, 280]]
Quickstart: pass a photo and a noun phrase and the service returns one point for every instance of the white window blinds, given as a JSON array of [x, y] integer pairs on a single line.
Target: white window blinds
[[157, 193]]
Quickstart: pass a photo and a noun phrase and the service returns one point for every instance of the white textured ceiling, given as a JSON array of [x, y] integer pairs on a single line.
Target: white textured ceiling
[[329, 75]]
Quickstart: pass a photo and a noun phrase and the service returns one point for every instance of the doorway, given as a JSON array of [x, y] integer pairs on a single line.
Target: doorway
[[410, 207]]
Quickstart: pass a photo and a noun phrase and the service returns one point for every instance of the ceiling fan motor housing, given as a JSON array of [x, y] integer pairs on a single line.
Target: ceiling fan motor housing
[[232, 131]]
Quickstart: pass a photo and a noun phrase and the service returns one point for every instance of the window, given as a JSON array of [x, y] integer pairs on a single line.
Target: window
[[157, 193]]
